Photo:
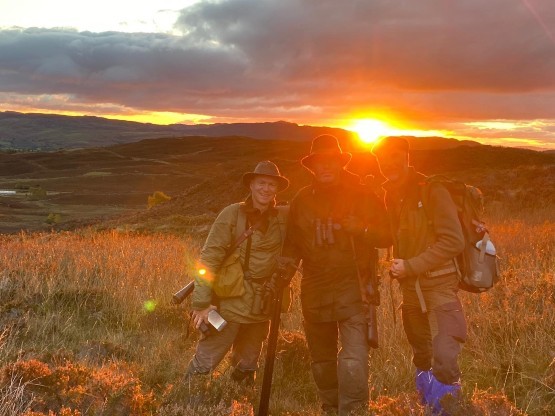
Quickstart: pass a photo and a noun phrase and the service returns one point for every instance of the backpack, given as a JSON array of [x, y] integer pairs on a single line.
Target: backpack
[[477, 265]]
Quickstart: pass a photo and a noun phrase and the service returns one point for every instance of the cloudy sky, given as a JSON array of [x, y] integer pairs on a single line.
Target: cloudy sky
[[476, 69]]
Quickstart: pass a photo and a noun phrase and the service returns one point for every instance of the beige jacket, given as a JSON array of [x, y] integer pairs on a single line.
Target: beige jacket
[[265, 247]]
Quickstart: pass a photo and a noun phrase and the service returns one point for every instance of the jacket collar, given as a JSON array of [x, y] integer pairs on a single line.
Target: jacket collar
[[255, 212], [413, 180]]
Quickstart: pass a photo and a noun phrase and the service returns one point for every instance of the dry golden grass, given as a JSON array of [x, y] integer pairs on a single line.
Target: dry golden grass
[[87, 328]]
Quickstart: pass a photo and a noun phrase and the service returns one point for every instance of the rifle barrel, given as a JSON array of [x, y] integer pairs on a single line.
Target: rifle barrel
[[182, 293]]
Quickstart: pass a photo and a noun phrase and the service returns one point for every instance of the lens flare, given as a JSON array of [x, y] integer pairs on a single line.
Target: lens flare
[[150, 305]]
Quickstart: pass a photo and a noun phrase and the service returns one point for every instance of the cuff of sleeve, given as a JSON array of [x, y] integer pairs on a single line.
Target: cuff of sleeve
[[408, 268], [199, 306]]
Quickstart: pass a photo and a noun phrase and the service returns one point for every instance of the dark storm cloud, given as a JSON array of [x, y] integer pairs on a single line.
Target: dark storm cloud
[[307, 58], [496, 45], [117, 67]]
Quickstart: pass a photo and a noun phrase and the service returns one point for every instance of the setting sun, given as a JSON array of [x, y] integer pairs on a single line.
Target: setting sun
[[370, 130]]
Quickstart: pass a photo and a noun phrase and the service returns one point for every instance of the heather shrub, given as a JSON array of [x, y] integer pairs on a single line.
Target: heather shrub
[[87, 328]]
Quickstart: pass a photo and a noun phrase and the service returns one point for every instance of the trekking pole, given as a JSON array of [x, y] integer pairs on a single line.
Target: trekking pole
[[281, 282]]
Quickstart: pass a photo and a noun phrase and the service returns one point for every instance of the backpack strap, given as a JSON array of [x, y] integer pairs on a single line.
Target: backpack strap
[[240, 223]]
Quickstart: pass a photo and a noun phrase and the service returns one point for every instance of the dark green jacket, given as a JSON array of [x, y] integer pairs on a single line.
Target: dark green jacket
[[265, 246], [426, 238], [330, 288]]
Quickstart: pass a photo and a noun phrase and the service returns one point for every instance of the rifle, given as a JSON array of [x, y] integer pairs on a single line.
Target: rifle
[[373, 297], [372, 289], [274, 292], [214, 318]]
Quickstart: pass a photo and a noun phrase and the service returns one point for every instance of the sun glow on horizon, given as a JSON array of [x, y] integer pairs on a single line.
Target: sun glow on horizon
[[160, 117], [369, 130]]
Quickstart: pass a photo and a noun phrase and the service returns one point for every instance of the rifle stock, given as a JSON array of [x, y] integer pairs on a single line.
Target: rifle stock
[[371, 317]]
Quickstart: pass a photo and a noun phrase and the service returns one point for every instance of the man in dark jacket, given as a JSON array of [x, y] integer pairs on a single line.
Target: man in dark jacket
[[426, 239], [333, 224]]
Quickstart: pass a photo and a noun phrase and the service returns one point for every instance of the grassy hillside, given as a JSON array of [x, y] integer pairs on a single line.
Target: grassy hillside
[[87, 328], [86, 324]]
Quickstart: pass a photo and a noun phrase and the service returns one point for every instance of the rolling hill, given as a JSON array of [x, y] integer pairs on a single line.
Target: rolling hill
[[51, 132], [109, 186]]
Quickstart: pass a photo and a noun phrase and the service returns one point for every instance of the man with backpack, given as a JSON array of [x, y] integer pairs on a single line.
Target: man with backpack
[[427, 236], [333, 225], [238, 257]]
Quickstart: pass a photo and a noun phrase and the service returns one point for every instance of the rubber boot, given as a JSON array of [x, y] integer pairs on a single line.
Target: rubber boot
[[423, 381], [437, 392]]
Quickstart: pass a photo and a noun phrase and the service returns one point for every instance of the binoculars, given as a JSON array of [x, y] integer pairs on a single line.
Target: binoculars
[[324, 231], [263, 298]]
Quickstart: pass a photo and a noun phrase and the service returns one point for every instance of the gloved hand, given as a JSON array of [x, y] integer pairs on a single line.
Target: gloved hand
[[352, 225]]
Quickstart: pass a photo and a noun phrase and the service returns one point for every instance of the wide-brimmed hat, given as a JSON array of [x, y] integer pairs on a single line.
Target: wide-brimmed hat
[[325, 145], [266, 168], [390, 144]]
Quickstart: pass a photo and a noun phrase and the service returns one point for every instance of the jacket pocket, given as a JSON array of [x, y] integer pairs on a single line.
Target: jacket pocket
[[229, 280]]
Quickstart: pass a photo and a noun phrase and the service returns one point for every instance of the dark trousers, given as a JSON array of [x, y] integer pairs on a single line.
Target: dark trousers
[[436, 337], [341, 378]]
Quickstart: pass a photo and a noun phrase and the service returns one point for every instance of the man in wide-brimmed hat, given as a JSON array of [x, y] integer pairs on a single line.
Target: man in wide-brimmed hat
[[333, 225], [234, 268]]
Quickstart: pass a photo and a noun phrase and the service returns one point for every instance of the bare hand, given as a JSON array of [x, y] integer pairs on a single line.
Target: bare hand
[[397, 269], [201, 316]]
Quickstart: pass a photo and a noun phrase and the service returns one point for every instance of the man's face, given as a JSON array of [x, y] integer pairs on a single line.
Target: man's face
[[394, 164], [263, 190], [326, 168]]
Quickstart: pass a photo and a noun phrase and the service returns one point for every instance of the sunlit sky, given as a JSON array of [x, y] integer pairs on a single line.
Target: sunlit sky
[[473, 69]]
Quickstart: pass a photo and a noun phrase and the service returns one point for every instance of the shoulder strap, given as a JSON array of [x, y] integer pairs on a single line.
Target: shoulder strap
[[240, 224], [241, 232]]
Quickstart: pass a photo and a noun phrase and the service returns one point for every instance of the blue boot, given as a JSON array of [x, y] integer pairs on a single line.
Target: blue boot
[[423, 380], [437, 392]]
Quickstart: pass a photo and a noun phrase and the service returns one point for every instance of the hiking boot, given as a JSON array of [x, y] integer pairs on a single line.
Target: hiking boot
[[438, 392], [423, 381], [243, 377]]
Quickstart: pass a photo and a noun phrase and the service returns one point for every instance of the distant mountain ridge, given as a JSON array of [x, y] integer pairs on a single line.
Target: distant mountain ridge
[[50, 132]]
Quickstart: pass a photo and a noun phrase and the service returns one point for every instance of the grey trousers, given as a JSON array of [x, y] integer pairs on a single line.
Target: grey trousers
[[244, 340], [341, 378], [437, 336]]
